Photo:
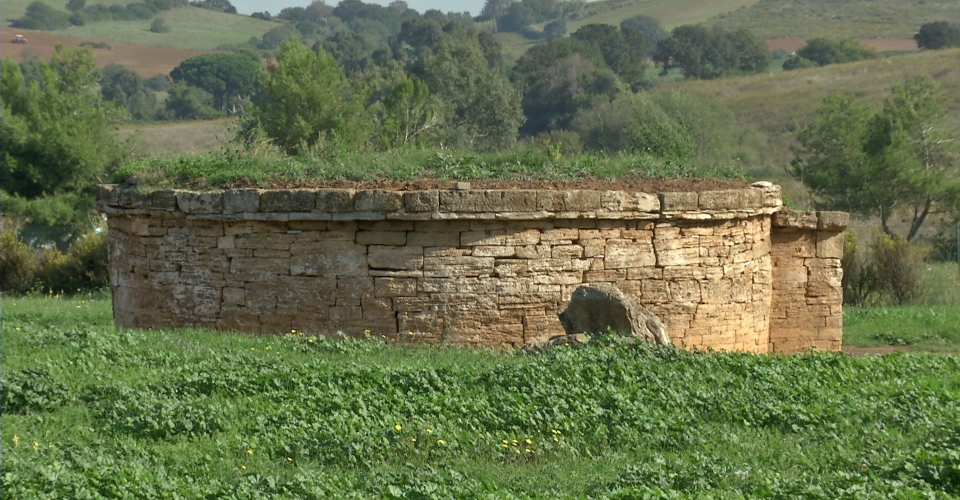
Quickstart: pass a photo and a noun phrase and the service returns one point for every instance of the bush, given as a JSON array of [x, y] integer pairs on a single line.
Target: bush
[[159, 26], [18, 264], [892, 273], [84, 267], [96, 45], [899, 268]]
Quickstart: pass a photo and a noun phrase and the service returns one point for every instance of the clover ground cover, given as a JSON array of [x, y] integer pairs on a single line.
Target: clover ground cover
[[90, 412]]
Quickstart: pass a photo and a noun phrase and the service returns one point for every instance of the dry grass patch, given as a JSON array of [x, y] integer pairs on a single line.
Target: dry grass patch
[[169, 139]]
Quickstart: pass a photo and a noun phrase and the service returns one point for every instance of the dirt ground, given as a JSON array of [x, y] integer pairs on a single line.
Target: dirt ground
[[878, 44], [145, 60], [641, 185]]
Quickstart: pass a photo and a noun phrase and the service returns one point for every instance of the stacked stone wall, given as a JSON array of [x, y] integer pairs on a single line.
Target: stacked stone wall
[[807, 289], [469, 267]]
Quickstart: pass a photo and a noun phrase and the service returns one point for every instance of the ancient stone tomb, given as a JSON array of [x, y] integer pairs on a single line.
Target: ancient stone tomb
[[728, 269]]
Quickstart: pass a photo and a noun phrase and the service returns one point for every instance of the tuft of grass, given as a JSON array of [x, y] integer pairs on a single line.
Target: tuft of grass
[[522, 164]]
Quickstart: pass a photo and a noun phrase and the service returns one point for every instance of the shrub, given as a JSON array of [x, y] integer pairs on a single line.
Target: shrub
[[860, 284], [18, 264], [899, 268], [159, 26], [84, 267]]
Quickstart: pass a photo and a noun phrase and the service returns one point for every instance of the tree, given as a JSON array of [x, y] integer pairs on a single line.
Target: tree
[[223, 75], [900, 158], [824, 51], [495, 9], [649, 27], [59, 136], [937, 35], [479, 106], [305, 101], [555, 29], [703, 53], [127, 89], [635, 124], [75, 5], [351, 51], [40, 16], [189, 103], [625, 52]]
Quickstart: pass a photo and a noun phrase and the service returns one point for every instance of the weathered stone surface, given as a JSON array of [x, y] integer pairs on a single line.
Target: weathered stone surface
[[191, 202], [678, 202], [832, 221], [794, 219], [377, 200], [241, 200], [421, 201], [601, 307], [288, 200], [163, 200], [335, 200]]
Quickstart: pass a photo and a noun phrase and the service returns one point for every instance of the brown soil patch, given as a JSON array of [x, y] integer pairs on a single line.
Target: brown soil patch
[[872, 351], [144, 59], [638, 184], [878, 44]]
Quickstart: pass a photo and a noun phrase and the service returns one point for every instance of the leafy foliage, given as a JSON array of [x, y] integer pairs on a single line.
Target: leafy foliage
[[937, 35], [872, 162], [58, 134], [705, 53], [823, 51], [199, 414], [228, 77]]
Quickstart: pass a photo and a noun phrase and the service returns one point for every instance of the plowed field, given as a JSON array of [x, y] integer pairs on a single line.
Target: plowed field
[[145, 60]]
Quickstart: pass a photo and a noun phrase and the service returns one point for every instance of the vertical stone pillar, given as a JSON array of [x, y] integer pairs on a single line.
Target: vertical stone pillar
[[807, 306]]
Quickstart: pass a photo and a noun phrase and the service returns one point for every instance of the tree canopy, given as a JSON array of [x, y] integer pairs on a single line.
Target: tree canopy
[[902, 157], [937, 35], [225, 76], [705, 53]]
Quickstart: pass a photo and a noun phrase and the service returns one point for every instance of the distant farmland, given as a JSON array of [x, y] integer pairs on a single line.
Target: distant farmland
[[144, 59]]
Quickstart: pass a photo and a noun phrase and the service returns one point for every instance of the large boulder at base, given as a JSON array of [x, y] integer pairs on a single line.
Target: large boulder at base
[[597, 308]]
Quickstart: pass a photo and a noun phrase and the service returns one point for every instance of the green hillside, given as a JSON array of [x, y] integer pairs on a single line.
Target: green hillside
[[190, 28], [876, 18], [671, 13], [12, 9], [777, 104]]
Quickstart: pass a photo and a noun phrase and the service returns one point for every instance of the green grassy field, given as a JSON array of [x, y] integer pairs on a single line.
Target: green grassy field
[[670, 13], [874, 19], [12, 9], [90, 412], [190, 28], [165, 139]]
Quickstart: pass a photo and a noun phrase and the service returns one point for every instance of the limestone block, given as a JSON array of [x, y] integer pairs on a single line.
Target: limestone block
[[568, 201], [566, 252], [832, 221], [829, 245], [335, 200], [506, 237], [446, 267], [377, 200], [163, 200], [794, 219], [265, 241], [448, 239], [492, 200], [241, 201], [190, 202], [791, 245], [534, 251], [678, 257], [395, 287], [354, 288], [108, 195], [331, 260], [288, 200], [729, 199], [555, 235], [395, 257], [421, 201], [257, 269], [621, 254], [382, 238], [130, 198], [623, 201], [376, 307], [678, 202], [494, 251]]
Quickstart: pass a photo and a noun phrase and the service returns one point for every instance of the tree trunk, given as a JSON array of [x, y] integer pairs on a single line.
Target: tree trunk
[[918, 220]]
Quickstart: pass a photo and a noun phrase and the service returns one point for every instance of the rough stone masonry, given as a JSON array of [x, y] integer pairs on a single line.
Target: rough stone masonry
[[727, 269]]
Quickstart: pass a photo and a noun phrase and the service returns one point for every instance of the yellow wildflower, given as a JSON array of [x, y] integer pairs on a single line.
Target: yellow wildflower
[[429, 430], [244, 467], [310, 340], [16, 440], [528, 441], [36, 446], [529, 450], [441, 442], [506, 442], [249, 452], [413, 440], [398, 427], [289, 459], [18, 328], [555, 440], [517, 451]]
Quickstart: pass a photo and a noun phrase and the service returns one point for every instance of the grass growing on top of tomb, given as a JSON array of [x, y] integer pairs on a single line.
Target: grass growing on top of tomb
[[195, 414], [524, 163]]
